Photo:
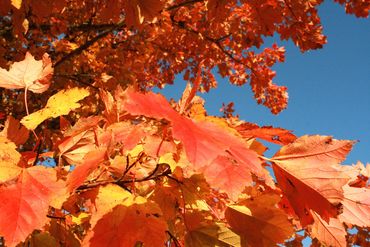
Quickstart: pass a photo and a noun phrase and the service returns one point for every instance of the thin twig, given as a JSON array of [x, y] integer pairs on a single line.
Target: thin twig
[[174, 239], [38, 152], [56, 217], [87, 44], [75, 78], [27, 111]]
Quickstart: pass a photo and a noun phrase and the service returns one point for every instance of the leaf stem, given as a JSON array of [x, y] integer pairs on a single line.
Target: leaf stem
[[27, 111]]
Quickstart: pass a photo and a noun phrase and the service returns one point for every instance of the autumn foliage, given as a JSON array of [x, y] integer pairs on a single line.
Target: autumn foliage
[[90, 156]]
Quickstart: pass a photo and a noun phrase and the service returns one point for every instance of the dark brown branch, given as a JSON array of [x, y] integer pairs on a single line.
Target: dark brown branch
[[122, 183], [217, 41], [89, 43], [77, 79], [56, 217], [175, 179], [174, 239], [38, 151]]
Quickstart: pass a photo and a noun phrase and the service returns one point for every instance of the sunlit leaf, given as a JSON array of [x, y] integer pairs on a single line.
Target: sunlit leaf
[[25, 203], [33, 75], [59, 104], [309, 174]]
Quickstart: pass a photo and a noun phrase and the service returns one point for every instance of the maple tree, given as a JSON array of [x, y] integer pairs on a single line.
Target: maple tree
[[90, 156]]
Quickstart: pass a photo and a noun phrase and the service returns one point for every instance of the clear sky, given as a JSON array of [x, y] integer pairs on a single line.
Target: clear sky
[[328, 88]]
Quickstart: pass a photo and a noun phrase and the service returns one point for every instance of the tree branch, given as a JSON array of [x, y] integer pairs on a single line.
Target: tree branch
[[89, 43]]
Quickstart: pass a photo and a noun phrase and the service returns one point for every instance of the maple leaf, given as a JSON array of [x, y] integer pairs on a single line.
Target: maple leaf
[[126, 226], [167, 199], [273, 224], [25, 202], [106, 198], [79, 140], [212, 235], [139, 10], [356, 206], [309, 174], [59, 104], [126, 133], [74, 148], [90, 162], [331, 234], [14, 131], [203, 141], [8, 154], [30, 74], [60, 231], [119, 213]]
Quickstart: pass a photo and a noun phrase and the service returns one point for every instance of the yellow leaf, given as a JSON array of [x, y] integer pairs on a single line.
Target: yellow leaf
[[7, 151], [8, 171], [217, 235], [110, 196], [168, 159], [25, 25], [59, 104], [9, 158], [135, 152], [17, 3], [81, 218]]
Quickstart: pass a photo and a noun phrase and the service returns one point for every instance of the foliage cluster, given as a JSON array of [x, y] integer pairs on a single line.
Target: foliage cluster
[[90, 156]]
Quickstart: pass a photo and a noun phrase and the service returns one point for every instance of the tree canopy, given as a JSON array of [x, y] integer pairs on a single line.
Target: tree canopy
[[91, 156]]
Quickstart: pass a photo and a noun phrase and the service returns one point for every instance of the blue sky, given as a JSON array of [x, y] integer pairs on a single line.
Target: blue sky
[[328, 88]]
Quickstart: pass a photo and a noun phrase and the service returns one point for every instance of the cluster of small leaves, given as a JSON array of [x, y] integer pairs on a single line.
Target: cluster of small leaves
[[106, 164], [148, 42]]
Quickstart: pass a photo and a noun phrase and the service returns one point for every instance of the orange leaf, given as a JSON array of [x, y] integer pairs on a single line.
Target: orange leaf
[[259, 222], [14, 131], [308, 173], [203, 141], [25, 203], [127, 134], [128, 225], [330, 234], [356, 206], [212, 235], [275, 135], [125, 219], [136, 11], [90, 162], [31, 74], [79, 140]]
